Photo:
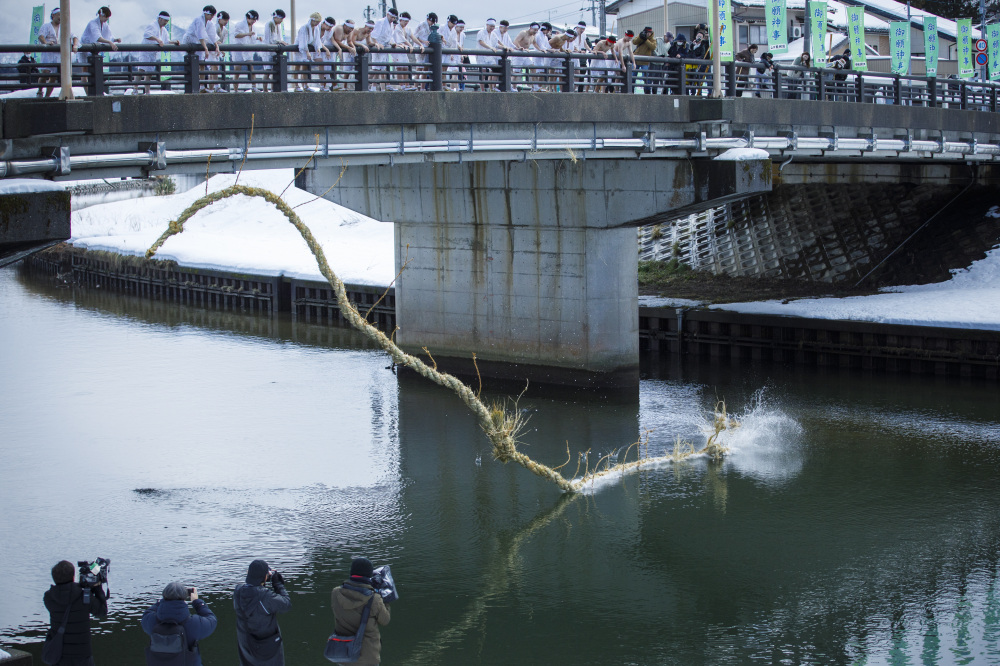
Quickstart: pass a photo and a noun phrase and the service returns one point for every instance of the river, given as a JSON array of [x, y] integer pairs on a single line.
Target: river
[[856, 520]]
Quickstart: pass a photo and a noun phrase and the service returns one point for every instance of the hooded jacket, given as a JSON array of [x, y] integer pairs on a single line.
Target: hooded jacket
[[347, 607], [175, 611], [76, 640], [257, 609]]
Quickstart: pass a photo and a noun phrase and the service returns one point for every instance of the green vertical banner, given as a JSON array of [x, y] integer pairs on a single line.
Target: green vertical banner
[[856, 38], [726, 45], [899, 46], [931, 45], [993, 39], [777, 27], [966, 68], [37, 19], [817, 19]]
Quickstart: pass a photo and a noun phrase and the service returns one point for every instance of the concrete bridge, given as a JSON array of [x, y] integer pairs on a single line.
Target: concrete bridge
[[516, 213]]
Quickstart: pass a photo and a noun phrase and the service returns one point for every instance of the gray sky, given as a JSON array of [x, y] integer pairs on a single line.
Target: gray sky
[[130, 17]]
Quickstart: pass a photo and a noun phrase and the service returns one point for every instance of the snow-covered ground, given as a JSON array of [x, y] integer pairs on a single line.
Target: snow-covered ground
[[970, 299], [248, 235], [28, 185], [245, 234]]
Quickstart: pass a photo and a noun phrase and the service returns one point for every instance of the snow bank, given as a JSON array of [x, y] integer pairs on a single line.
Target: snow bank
[[28, 185], [245, 234], [667, 302], [33, 92], [970, 299], [742, 154]]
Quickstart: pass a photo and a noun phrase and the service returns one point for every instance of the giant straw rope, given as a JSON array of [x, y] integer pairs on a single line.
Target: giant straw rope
[[500, 424]]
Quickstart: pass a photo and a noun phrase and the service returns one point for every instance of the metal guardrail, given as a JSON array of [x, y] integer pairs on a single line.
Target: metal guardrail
[[277, 68]]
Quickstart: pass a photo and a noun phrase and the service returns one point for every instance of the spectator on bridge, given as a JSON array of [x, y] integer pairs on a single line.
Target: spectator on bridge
[[274, 35], [679, 49], [382, 35], [243, 60], [156, 33], [505, 42], [422, 35], [99, 32], [309, 45], [331, 52], [802, 85], [341, 40], [602, 72], [49, 34], [765, 73], [841, 63], [488, 40], [748, 56], [644, 44], [624, 50]]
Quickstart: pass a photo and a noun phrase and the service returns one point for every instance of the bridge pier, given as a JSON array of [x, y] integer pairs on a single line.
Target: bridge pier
[[531, 266], [34, 214]]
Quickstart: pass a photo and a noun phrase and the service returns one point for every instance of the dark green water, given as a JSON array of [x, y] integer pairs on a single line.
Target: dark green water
[[857, 519]]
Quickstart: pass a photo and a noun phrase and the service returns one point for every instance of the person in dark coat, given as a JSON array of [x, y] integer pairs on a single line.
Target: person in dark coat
[[65, 593], [173, 609], [258, 636], [348, 602], [679, 49]]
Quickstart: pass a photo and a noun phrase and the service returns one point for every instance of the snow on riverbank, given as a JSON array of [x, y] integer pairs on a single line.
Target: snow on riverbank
[[970, 299], [245, 234]]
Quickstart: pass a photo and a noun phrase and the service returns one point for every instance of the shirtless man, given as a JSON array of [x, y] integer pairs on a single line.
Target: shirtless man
[[361, 40], [340, 38], [49, 35], [603, 71], [625, 51], [525, 41]]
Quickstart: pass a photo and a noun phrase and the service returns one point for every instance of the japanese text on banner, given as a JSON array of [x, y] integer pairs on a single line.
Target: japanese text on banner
[[899, 45], [725, 9], [966, 68], [856, 37], [931, 45], [777, 27], [993, 39], [817, 18], [37, 18]]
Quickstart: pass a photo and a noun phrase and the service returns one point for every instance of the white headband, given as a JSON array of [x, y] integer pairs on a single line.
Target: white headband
[[327, 23], [491, 21], [54, 12], [349, 22], [370, 24], [208, 14], [163, 17]]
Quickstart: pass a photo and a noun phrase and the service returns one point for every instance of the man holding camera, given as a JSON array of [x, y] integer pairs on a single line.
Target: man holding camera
[[170, 617], [70, 606], [258, 636], [348, 602]]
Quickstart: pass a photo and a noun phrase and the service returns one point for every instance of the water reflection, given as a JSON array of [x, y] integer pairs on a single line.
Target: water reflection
[[856, 520]]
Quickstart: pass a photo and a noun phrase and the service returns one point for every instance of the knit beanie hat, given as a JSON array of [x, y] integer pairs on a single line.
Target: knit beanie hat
[[360, 566], [174, 591], [257, 572]]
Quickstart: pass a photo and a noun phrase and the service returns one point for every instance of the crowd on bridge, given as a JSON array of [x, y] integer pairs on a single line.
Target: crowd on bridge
[[395, 43]]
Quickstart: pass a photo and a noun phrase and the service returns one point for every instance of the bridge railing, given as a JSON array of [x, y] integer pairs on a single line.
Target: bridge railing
[[133, 68]]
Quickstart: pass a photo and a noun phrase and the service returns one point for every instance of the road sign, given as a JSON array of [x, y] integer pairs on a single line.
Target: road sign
[[981, 45], [981, 59]]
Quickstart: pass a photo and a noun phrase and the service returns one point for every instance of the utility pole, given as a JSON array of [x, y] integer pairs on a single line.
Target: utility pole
[[381, 8], [65, 53], [984, 75], [666, 16], [368, 13], [292, 7], [593, 11], [716, 51], [604, 19]]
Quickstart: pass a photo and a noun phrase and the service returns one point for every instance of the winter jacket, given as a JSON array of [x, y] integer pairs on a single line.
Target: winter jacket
[[257, 610], [347, 607], [746, 55], [76, 640], [644, 46], [175, 611]]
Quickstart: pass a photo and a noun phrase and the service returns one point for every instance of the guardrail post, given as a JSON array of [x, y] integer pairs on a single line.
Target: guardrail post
[[731, 78], [683, 76], [965, 95], [932, 100], [361, 82], [778, 78], [629, 82], [569, 83], [820, 86], [96, 87], [993, 99], [281, 72], [506, 74], [859, 84], [897, 90], [437, 67], [192, 84]]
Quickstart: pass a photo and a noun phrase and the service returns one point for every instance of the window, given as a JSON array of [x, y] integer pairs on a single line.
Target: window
[[752, 34]]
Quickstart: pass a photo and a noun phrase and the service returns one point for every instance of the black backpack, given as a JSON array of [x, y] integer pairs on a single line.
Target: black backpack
[[168, 646]]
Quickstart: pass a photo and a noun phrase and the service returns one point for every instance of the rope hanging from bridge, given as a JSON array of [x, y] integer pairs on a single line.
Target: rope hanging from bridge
[[501, 423]]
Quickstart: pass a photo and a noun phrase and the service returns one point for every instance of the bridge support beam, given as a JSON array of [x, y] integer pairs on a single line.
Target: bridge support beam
[[33, 215], [531, 266]]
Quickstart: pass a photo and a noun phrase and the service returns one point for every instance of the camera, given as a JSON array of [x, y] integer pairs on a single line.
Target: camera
[[94, 574], [384, 584]]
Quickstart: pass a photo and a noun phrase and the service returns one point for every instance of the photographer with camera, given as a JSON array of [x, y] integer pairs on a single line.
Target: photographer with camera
[[70, 606], [258, 636], [349, 600], [174, 633]]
